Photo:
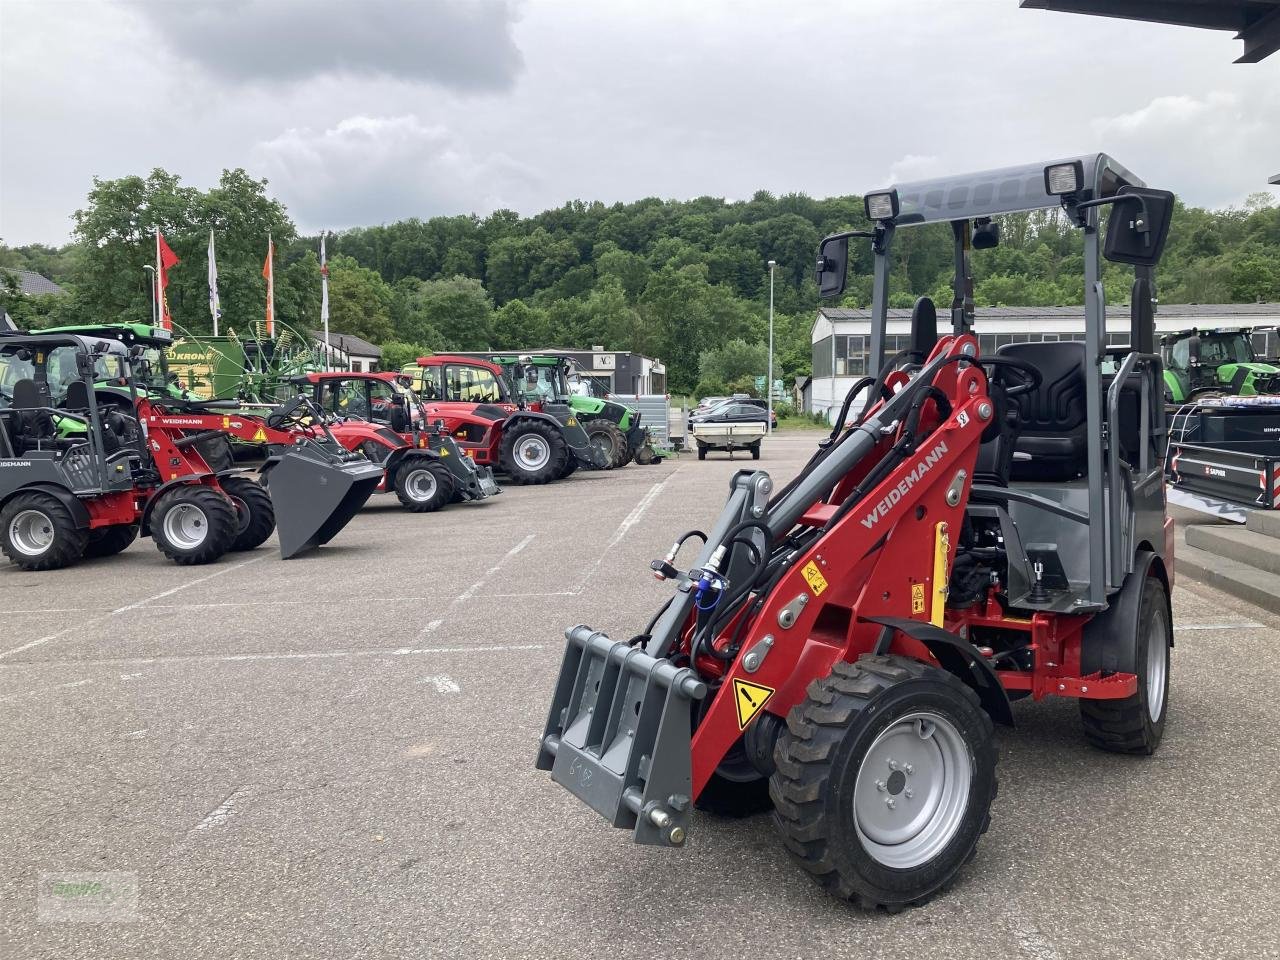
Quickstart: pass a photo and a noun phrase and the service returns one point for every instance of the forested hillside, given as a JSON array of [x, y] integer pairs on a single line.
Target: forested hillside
[[672, 279]]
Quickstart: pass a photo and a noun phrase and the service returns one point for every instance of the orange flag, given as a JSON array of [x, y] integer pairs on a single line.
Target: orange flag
[[165, 258], [269, 274]]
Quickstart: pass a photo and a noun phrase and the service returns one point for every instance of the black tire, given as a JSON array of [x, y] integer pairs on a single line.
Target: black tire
[[571, 466], [193, 524], [862, 711], [108, 541], [755, 451], [423, 486], [517, 460], [736, 789], [1128, 726], [608, 438], [38, 532], [702, 451], [216, 452], [255, 513]]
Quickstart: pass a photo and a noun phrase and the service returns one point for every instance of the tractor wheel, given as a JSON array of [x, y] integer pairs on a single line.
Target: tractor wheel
[[38, 532], [755, 451], [193, 524], [424, 486], [736, 789], [533, 452], [1136, 724], [255, 513], [216, 452], [884, 782], [702, 451], [604, 436], [108, 541]]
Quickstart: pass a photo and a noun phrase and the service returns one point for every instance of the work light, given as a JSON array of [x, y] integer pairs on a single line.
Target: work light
[[1063, 178], [881, 206]]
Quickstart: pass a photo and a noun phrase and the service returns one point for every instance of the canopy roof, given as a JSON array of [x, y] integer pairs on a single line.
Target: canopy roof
[[1007, 190]]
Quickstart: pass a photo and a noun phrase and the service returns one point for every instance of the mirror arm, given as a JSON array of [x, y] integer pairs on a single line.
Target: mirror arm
[[1140, 222]]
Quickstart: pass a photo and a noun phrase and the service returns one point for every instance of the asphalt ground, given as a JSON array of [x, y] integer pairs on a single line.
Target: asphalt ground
[[333, 757]]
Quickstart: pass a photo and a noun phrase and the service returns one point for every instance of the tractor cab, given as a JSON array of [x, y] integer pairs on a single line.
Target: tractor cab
[[975, 530], [1199, 362], [384, 399], [149, 363]]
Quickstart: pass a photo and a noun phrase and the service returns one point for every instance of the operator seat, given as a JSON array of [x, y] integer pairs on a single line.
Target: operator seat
[[1051, 441], [30, 425]]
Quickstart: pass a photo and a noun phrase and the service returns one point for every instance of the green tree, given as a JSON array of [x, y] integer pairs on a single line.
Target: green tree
[[359, 301], [733, 361]]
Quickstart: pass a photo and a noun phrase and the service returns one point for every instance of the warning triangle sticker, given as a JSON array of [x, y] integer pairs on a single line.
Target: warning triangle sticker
[[260, 436], [750, 699]]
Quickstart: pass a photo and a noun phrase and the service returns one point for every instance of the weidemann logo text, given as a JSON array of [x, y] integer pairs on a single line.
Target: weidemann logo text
[[909, 481]]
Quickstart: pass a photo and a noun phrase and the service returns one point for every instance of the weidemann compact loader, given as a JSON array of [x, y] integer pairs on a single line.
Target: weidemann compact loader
[[983, 529]]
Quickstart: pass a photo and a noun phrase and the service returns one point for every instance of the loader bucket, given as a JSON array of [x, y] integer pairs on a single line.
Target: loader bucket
[[619, 733], [315, 494]]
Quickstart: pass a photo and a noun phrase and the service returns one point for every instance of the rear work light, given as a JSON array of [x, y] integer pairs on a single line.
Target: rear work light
[[881, 206], [1061, 179]]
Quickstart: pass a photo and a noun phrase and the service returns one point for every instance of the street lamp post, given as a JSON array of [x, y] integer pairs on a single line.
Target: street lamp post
[[155, 321], [768, 385]]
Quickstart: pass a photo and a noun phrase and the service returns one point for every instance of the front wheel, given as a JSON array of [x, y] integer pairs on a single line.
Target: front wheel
[[108, 541], [193, 524], [608, 440], [424, 486], [884, 782], [38, 532], [533, 452]]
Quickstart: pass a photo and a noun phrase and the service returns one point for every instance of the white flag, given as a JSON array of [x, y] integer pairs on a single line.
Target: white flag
[[215, 307], [324, 299]]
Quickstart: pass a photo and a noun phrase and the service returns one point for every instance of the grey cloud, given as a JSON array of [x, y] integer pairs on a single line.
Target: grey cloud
[[462, 44]]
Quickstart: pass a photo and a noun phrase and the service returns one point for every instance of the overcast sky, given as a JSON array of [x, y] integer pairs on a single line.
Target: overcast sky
[[367, 112]]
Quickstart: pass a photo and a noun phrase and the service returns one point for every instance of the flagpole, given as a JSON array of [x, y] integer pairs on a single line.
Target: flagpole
[[324, 301], [158, 291], [214, 304]]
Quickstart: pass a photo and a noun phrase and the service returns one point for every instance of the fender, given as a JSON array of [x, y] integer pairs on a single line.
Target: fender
[[1110, 639], [63, 495], [959, 657], [145, 529], [533, 415]]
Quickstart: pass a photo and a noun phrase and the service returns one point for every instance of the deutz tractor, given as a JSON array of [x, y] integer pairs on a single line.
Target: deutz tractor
[[92, 493], [529, 446], [378, 415], [1204, 363], [974, 531], [612, 427]]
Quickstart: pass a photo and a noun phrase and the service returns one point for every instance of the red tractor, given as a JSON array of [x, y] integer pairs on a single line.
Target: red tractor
[[378, 415], [472, 399], [82, 478], [977, 529]]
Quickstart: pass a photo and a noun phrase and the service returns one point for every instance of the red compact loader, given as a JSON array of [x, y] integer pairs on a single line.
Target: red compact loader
[[983, 529]]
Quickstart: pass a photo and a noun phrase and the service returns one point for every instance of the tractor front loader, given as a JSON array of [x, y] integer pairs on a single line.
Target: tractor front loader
[[975, 530]]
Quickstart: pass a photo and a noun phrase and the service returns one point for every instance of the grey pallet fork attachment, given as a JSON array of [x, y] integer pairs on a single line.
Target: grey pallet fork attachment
[[315, 495]]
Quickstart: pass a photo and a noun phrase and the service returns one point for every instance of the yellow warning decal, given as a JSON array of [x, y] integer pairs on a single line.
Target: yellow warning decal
[[750, 699], [444, 451], [917, 598], [260, 436], [817, 582], [226, 423]]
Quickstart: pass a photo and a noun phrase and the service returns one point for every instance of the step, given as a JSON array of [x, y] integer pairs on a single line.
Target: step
[[1230, 576], [1237, 543], [1265, 522]]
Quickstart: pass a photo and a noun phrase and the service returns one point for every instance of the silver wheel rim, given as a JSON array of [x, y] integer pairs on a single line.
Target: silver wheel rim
[[1157, 666], [420, 485], [186, 526], [31, 532], [912, 790], [532, 452]]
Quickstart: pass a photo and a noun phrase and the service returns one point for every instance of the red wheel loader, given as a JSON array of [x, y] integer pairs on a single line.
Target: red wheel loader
[[380, 416], [981, 529], [78, 478]]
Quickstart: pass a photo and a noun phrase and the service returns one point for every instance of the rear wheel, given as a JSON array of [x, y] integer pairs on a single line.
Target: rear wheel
[[424, 486], [255, 514], [608, 440], [1136, 724], [193, 524], [702, 451], [884, 782], [755, 451], [533, 452], [108, 541], [38, 532]]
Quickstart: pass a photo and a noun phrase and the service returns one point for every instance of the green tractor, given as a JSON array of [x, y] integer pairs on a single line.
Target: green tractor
[[612, 427], [1202, 363]]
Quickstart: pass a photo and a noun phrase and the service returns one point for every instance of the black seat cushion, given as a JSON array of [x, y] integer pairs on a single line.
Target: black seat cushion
[[36, 424], [1052, 436]]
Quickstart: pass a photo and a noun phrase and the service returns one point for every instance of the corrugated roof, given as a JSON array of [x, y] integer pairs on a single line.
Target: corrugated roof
[[32, 284], [349, 344]]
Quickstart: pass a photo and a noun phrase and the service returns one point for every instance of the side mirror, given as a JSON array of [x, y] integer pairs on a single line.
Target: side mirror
[[833, 266], [399, 419], [986, 235], [1138, 226]]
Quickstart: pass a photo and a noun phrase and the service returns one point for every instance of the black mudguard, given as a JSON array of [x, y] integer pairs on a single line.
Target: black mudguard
[[64, 496], [1110, 639], [958, 656]]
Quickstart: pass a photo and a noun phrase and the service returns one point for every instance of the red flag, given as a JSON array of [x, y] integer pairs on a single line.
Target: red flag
[[165, 258], [269, 274]]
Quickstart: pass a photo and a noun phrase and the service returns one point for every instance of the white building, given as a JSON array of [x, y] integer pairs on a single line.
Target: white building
[[841, 337], [347, 352]]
